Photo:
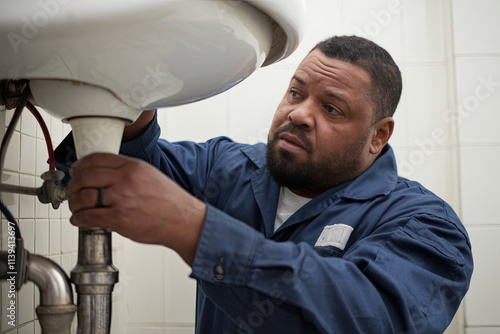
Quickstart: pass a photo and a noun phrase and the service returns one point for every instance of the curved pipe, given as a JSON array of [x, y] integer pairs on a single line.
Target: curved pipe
[[56, 310], [52, 281]]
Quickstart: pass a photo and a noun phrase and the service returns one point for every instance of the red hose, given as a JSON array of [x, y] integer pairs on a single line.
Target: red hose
[[46, 135]]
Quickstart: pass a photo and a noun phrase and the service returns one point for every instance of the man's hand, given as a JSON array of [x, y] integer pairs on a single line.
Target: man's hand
[[139, 202]]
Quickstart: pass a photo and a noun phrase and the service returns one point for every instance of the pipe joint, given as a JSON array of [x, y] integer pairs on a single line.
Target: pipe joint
[[94, 277], [10, 93]]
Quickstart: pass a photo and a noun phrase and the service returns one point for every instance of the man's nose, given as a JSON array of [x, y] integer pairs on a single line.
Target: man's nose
[[303, 116]]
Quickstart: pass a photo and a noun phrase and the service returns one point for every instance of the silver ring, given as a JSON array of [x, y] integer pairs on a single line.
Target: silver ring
[[99, 198]]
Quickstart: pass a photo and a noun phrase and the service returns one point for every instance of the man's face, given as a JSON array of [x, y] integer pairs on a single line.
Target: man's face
[[322, 130]]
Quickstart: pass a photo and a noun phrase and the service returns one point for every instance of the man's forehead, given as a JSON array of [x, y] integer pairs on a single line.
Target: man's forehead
[[319, 63]]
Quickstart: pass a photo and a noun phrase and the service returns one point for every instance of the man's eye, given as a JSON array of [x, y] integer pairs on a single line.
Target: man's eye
[[294, 94], [331, 110]]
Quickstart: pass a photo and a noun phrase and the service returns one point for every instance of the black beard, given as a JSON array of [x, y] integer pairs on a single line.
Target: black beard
[[292, 175], [313, 176]]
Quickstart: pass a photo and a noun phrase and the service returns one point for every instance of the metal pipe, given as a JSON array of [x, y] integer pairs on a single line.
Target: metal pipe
[[94, 277], [56, 309], [10, 188]]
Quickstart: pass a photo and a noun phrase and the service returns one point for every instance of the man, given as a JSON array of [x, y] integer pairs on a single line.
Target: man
[[313, 233]]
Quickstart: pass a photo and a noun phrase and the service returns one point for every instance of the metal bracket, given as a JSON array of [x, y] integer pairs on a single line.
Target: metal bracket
[[10, 93]]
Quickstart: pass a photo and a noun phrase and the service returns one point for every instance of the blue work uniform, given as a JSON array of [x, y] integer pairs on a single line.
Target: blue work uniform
[[376, 254]]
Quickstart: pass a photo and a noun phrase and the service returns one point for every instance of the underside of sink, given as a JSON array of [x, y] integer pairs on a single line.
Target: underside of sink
[[145, 53]]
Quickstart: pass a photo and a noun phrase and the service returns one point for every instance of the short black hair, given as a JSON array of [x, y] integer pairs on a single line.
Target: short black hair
[[386, 81]]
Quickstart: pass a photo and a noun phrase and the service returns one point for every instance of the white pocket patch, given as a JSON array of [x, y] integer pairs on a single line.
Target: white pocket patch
[[334, 235]]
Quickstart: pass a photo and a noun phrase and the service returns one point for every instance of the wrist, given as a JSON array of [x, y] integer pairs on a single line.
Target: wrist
[[186, 240], [137, 128]]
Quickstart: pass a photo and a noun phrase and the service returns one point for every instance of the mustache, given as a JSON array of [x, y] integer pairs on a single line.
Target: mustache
[[296, 131]]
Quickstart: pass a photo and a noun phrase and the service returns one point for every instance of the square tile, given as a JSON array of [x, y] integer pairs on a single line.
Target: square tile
[[8, 117], [478, 98], [66, 264], [427, 100], [65, 211], [28, 149], [424, 29], [475, 26], [379, 21], [56, 130], [54, 213], [27, 202], [12, 156], [55, 237], [180, 290], [67, 242], [41, 157], [11, 200], [479, 181], [41, 210], [147, 303], [46, 118], [435, 169], [28, 123], [42, 237], [27, 227], [482, 302]]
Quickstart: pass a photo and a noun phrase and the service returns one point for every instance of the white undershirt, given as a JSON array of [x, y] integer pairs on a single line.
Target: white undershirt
[[288, 203]]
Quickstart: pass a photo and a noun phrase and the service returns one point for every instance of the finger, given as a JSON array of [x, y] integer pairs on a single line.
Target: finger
[[106, 160], [92, 218], [100, 177], [87, 198]]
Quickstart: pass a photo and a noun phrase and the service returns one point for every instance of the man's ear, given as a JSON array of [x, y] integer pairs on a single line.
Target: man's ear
[[382, 132]]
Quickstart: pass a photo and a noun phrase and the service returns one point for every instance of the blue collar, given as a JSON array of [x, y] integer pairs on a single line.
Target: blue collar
[[378, 180]]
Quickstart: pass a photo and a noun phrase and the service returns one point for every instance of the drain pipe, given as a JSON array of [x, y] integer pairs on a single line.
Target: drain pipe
[[94, 277]]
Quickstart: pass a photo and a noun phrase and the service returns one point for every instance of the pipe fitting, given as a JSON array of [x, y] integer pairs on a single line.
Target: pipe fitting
[[10, 93], [51, 190], [94, 277], [56, 309]]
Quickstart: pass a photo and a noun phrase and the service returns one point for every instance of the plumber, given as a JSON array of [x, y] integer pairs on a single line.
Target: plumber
[[312, 233]]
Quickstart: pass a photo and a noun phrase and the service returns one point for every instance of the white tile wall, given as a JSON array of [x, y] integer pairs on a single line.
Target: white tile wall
[[431, 167], [45, 231], [478, 96], [380, 21], [179, 292], [482, 330], [475, 24], [424, 40], [477, 57], [480, 183], [426, 91], [481, 306]]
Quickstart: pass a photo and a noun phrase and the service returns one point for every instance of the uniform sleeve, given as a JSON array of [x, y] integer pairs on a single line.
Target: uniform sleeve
[[403, 278], [187, 163]]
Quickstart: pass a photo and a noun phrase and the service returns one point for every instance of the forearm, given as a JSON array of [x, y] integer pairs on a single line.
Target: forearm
[[137, 128]]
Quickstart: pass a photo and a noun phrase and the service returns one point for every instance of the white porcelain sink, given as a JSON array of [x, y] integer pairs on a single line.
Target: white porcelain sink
[[140, 54]]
